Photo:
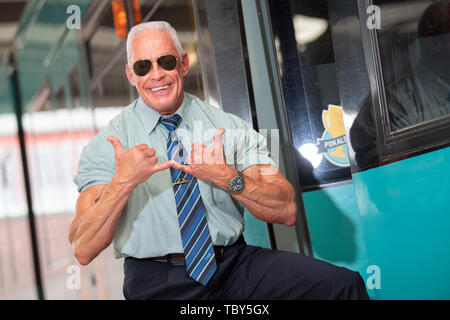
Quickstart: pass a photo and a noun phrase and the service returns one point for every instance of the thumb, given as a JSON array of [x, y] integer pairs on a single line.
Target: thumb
[[218, 146], [116, 145], [218, 137]]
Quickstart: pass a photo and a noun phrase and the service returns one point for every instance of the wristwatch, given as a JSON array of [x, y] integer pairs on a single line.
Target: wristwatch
[[236, 183]]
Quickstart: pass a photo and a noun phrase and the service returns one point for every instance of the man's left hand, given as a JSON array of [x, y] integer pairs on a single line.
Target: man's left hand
[[209, 163]]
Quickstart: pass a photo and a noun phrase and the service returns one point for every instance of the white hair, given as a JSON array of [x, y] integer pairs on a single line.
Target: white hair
[[152, 25]]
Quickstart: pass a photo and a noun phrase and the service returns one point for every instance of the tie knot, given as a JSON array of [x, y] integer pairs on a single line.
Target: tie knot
[[171, 123]]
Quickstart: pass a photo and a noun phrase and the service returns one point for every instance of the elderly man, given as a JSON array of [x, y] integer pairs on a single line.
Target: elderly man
[[174, 208]]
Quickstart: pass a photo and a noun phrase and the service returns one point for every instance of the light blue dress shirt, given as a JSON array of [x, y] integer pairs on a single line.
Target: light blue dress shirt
[[148, 225]]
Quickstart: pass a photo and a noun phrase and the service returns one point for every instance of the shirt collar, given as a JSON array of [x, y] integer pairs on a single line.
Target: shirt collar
[[151, 117]]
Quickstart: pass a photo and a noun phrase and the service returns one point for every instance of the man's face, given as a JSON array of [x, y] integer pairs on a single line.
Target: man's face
[[160, 89]]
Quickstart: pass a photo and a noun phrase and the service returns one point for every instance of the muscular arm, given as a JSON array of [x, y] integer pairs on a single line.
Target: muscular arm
[[97, 211], [99, 207], [269, 197]]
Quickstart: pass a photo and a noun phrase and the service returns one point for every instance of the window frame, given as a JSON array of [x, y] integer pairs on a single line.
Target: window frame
[[411, 140]]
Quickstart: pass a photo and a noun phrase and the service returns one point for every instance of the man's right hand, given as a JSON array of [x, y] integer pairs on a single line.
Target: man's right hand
[[137, 164]]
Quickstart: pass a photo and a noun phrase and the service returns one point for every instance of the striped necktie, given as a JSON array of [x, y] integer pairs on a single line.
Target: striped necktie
[[197, 244]]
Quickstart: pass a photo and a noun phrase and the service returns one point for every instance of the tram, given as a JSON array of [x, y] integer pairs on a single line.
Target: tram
[[352, 95]]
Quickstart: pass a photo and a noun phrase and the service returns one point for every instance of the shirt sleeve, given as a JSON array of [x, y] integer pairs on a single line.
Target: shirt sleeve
[[97, 162], [250, 147]]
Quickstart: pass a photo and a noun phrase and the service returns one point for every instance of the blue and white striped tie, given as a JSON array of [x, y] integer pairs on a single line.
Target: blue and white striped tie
[[197, 244]]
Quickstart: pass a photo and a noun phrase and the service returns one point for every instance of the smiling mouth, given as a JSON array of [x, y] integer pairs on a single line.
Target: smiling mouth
[[159, 89]]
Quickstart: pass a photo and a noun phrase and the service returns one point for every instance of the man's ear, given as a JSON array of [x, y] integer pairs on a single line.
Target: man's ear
[[130, 75], [185, 63]]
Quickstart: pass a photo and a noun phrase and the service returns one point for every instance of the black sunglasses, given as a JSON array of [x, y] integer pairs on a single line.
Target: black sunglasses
[[167, 62]]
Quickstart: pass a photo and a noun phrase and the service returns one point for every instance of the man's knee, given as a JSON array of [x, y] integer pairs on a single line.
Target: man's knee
[[348, 284]]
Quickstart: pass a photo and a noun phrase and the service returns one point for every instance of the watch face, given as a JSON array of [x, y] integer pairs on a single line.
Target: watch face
[[237, 183]]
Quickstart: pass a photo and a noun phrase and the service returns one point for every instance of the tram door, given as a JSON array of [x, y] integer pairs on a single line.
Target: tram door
[[308, 73], [366, 90]]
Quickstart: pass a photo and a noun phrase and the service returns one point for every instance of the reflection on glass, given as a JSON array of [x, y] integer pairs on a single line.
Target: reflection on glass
[[310, 89], [310, 152], [415, 50], [308, 29]]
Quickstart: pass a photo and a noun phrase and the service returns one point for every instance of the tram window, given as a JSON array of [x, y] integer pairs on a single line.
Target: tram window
[[414, 46], [310, 89]]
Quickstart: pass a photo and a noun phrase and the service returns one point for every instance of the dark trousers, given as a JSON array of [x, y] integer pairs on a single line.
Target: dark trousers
[[246, 272]]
